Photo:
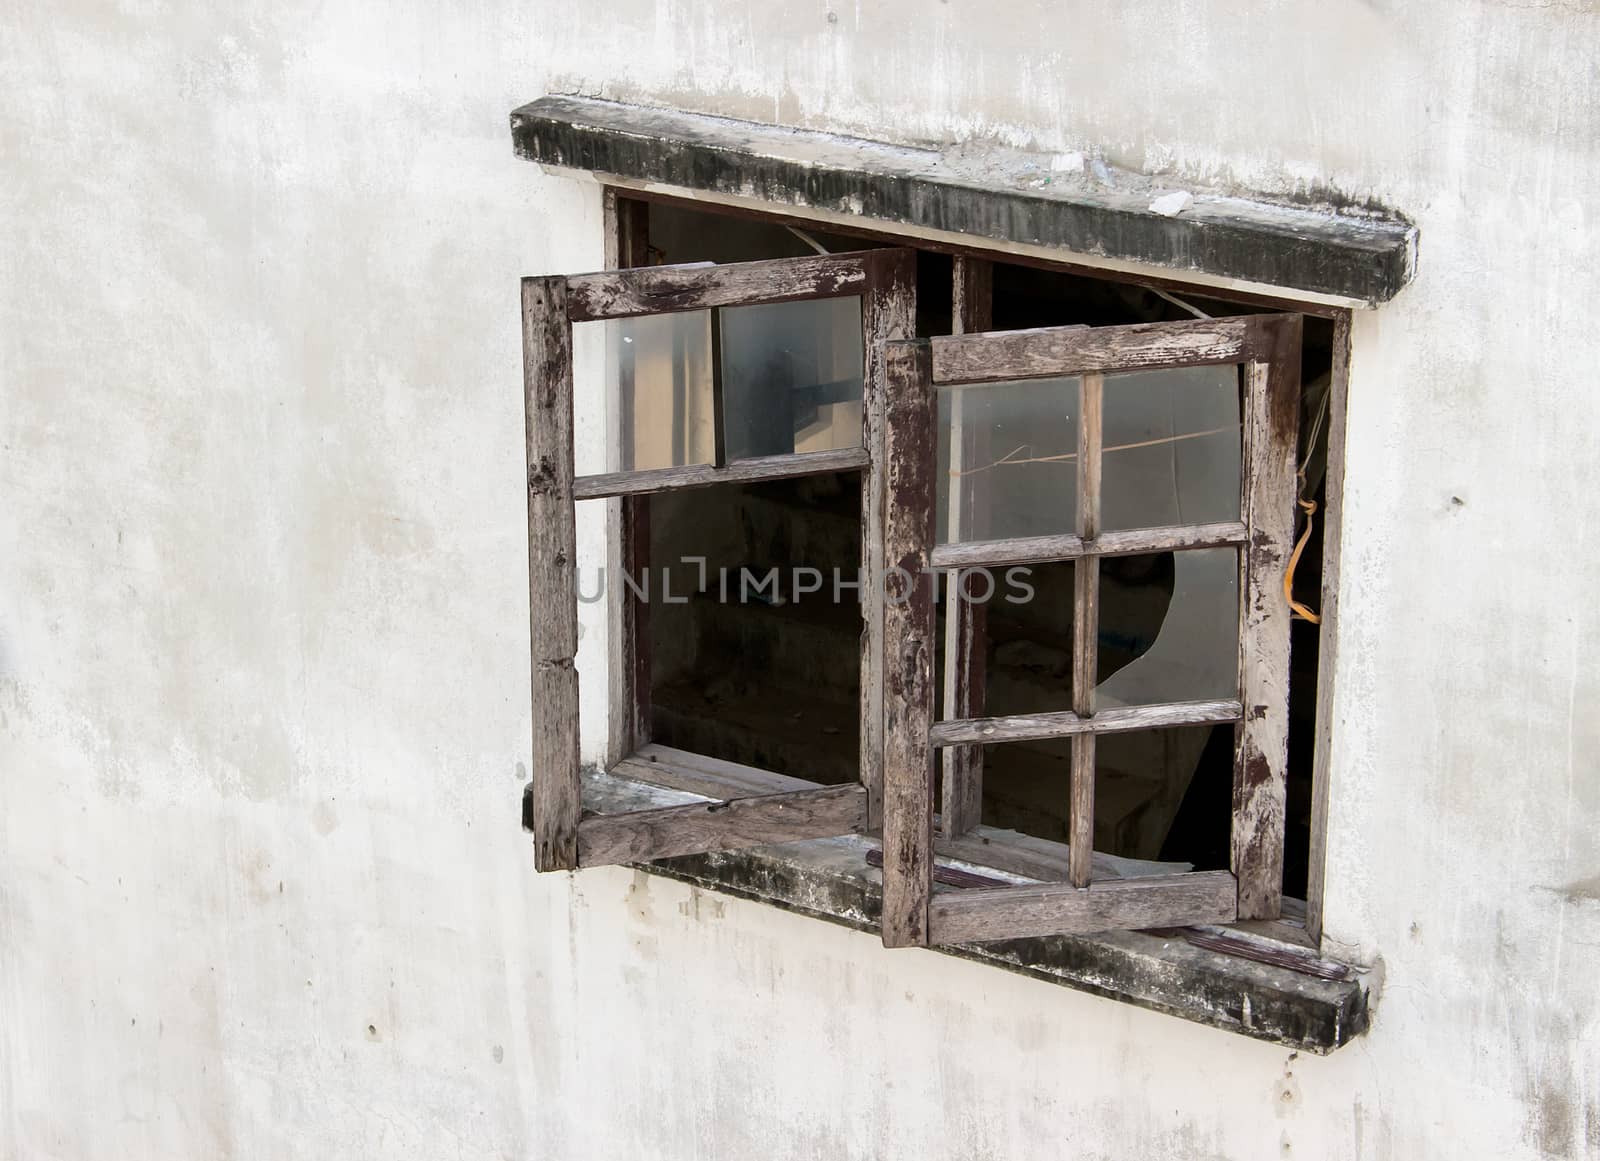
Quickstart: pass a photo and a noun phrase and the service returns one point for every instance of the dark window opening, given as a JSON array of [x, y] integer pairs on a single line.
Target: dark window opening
[[761, 663]]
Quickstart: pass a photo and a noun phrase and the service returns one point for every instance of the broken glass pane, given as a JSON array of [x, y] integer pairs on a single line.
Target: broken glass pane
[[1156, 647], [791, 377]]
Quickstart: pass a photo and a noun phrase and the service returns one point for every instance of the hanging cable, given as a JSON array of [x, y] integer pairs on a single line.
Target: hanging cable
[[1309, 507]]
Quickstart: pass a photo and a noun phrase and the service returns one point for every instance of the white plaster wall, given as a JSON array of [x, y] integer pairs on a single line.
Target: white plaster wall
[[263, 673]]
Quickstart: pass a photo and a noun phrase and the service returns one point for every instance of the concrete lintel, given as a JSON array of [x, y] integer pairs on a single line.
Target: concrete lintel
[[984, 192]]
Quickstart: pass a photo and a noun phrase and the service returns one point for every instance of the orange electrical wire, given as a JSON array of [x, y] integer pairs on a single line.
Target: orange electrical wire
[[1299, 610]]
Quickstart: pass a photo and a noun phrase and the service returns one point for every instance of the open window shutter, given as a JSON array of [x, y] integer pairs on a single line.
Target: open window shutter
[[941, 408], [690, 429]]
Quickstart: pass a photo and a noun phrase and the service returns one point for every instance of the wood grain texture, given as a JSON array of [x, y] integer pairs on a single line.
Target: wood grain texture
[[1080, 812], [1069, 546], [554, 799], [782, 467], [1293, 958], [1085, 631], [976, 916], [947, 876], [667, 289], [697, 827], [888, 314], [1271, 432], [1042, 859], [908, 642], [1328, 631], [1004, 850], [1058, 351], [965, 628], [627, 238], [699, 774], [1066, 724]]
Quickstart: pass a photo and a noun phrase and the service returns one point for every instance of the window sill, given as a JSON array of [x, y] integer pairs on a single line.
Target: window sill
[[1165, 972]]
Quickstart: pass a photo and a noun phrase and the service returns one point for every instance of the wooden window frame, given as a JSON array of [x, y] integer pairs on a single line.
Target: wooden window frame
[[1267, 347], [565, 836], [627, 244]]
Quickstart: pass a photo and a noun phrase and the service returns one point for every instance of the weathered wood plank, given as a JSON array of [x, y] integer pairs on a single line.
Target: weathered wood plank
[[965, 629], [699, 774], [1042, 859], [908, 642], [1069, 546], [947, 876], [1328, 635], [627, 239], [781, 467], [1086, 630], [888, 314], [1058, 351], [1004, 850], [1066, 724], [1080, 812], [666, 289], [697, 827], [979, 915], [972, 295], [554, 799], [1271, 432], [1291, 958]]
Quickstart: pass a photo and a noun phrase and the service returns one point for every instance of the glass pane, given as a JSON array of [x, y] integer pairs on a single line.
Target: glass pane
[[1168, 631], [791, 377], [1028, 618], [1169, 627], [659, 411], [590, 576], [1171, 443], [1008, 460], [1155, 796]]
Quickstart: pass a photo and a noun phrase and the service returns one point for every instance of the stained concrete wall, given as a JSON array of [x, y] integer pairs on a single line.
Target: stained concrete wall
[[263, 678]]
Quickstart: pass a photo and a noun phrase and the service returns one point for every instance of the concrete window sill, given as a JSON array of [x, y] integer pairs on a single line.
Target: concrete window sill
[[832, 879]]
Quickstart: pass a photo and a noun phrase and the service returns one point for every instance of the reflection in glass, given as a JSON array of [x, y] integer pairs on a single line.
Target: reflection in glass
[[1171, 441], [1008, 460], [658, 392], [791, 377]]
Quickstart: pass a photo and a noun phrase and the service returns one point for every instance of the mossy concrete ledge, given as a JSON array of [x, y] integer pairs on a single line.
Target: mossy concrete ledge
[[832, 879], [986, 191]]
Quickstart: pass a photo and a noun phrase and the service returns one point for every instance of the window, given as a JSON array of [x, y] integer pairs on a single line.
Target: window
[[1000, 748], [1064, 389], [757, 371]]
